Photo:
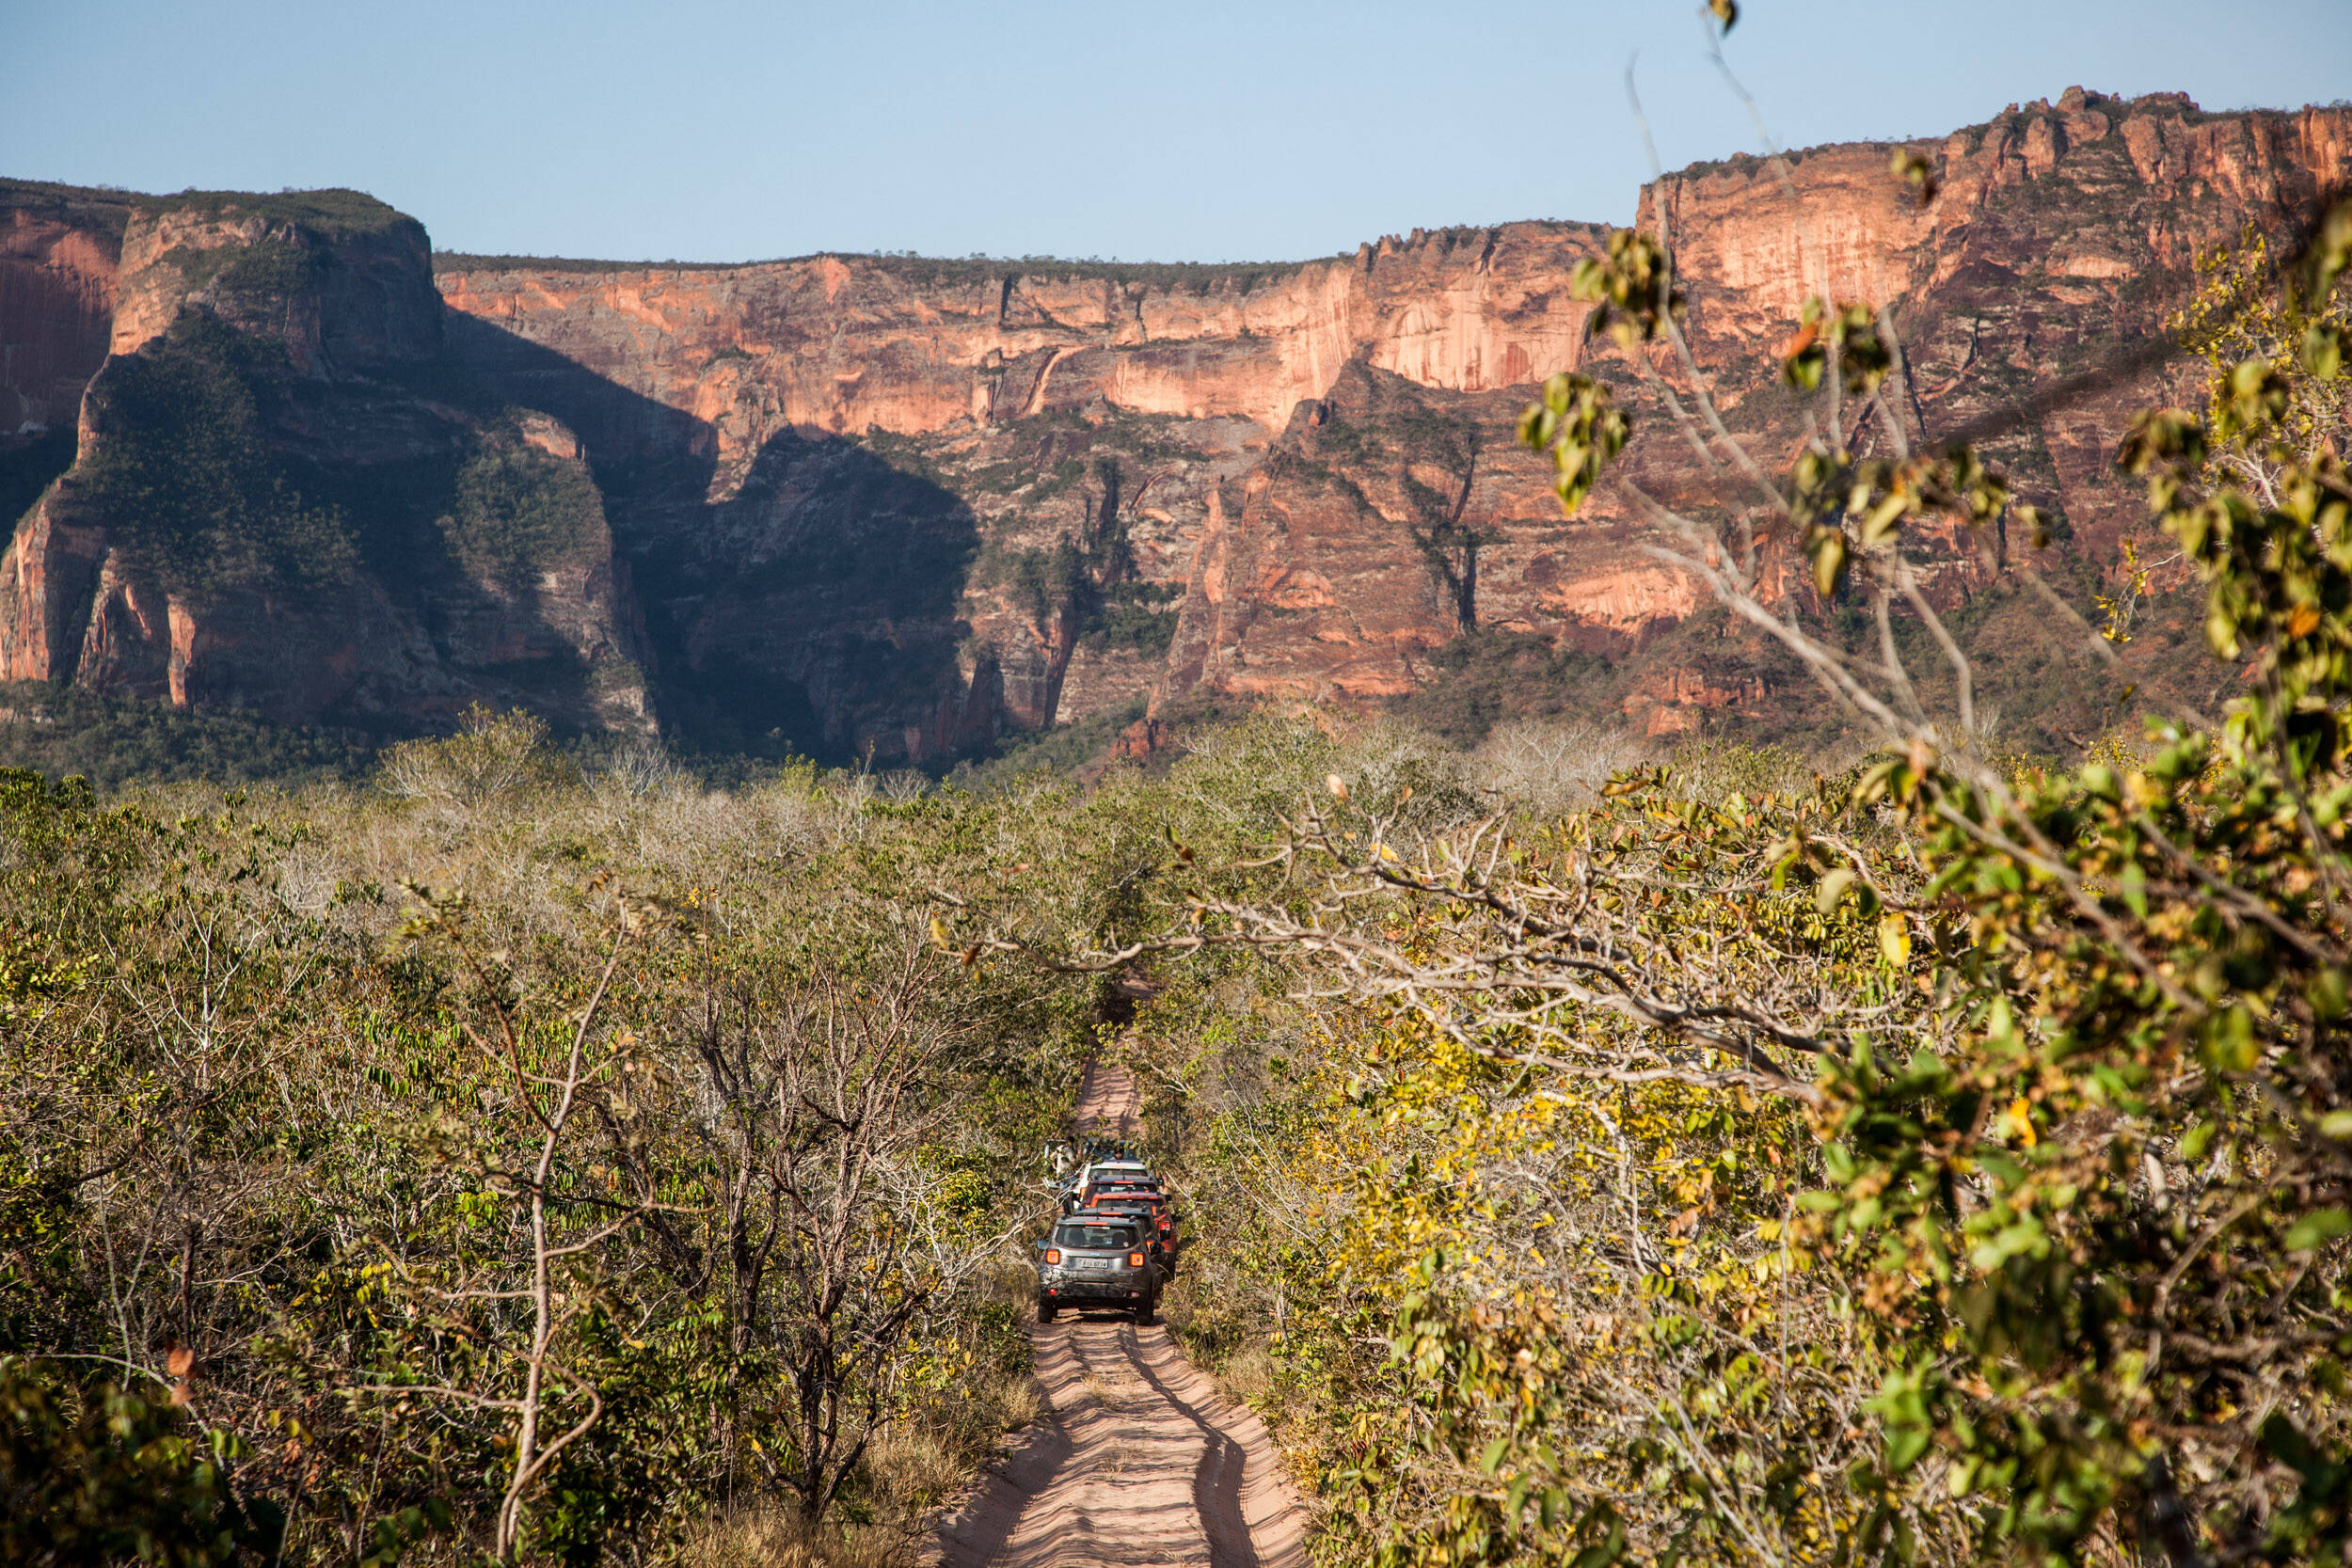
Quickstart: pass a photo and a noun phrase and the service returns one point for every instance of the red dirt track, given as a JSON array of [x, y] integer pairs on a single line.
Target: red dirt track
[[1138, 1463]]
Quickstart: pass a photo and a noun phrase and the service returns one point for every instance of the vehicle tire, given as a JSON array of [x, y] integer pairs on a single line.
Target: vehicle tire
[[1144, 1311], [1045, 1311]]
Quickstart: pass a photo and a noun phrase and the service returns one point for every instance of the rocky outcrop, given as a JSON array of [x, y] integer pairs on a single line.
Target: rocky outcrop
[[1319, 489], [2059, 237], [58, 262], [49, 586], [1081, 431], [2074, 199], [852, 344], [895, 508], [282, 494], [340, 294]]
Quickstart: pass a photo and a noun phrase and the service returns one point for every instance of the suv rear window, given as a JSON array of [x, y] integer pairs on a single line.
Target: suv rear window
[[1099, 1238]]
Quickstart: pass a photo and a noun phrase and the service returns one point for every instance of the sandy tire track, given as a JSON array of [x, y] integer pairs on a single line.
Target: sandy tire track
[[1138, 1462], [1110, 1105]]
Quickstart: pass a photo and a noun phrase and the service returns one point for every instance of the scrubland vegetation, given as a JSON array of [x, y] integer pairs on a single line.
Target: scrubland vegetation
[[497, 1159], [502, 1156], [1945, 1156], [1934, 1154]]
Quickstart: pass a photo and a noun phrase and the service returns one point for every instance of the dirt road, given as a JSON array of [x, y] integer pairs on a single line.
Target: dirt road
[[1140, 1461], [1110, 1105]]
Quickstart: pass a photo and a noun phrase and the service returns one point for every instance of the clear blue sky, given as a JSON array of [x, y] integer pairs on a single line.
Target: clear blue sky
[[724, 130]]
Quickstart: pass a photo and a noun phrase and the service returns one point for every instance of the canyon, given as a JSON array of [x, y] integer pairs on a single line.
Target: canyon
[[908, 510]]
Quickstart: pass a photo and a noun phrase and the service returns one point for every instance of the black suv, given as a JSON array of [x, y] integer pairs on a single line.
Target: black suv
[[1099, 1260]]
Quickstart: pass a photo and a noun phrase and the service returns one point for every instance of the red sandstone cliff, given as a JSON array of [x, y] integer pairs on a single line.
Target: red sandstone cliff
[[58, 260], [899, 508], [247, 511], [848, 344], [1279, 419]]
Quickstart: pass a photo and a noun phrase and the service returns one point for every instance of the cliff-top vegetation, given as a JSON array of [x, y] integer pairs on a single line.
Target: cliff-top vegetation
[[332, 212], [938, 271]]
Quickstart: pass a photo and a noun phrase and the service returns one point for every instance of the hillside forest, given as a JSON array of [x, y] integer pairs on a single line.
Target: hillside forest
[[1597, 1149]]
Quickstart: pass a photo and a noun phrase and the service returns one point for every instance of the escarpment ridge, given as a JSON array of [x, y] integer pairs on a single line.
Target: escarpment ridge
[[277, 489], [905, 509]]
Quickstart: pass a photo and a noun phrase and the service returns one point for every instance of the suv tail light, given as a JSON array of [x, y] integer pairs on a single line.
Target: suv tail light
[[1135, 1259], [1053, 1255]]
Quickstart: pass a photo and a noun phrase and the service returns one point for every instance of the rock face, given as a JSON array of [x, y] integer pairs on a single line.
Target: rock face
[[281, 492], [58, 260], [902, 508], [1056, 443], [1297, 482], [849, 344], [2061, 236]]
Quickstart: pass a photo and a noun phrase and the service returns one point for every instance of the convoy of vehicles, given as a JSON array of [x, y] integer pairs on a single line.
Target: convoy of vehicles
[[1113, 1244]]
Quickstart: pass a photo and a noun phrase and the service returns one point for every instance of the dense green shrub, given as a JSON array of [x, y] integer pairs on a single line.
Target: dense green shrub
[[182, 469], [62, 730], [91, 1471], [520, 510]]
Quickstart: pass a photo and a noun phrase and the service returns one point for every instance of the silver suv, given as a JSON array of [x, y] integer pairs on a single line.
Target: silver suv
[[1097, 1260]]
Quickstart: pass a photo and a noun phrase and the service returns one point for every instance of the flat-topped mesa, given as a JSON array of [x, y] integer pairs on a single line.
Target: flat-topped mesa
[[897, 508], [340, 280], [849, 344], [278, 492]]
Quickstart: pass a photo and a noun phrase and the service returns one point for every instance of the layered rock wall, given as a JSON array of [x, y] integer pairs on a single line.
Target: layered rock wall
[[1317, 569], [58, 263], [852, 344], [280, 492], [897, 508]]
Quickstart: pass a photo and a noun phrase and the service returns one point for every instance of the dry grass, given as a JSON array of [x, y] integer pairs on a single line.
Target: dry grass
[[523, 852], [914, 1468], [914, 1471], [771, 1537], [1246, 1376], [1550, 768]]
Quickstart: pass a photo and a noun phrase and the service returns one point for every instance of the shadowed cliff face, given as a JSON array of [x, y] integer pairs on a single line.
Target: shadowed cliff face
[[883, 507], [810, 606], [1309, 468], [285, 496], [58, 262], [59, 257]]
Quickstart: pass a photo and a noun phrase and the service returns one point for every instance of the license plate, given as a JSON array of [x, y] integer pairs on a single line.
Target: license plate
[[1091, 1265]]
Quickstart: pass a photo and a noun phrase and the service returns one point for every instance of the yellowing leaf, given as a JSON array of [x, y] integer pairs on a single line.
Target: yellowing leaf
[[1894, 939], [1828, 563]]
